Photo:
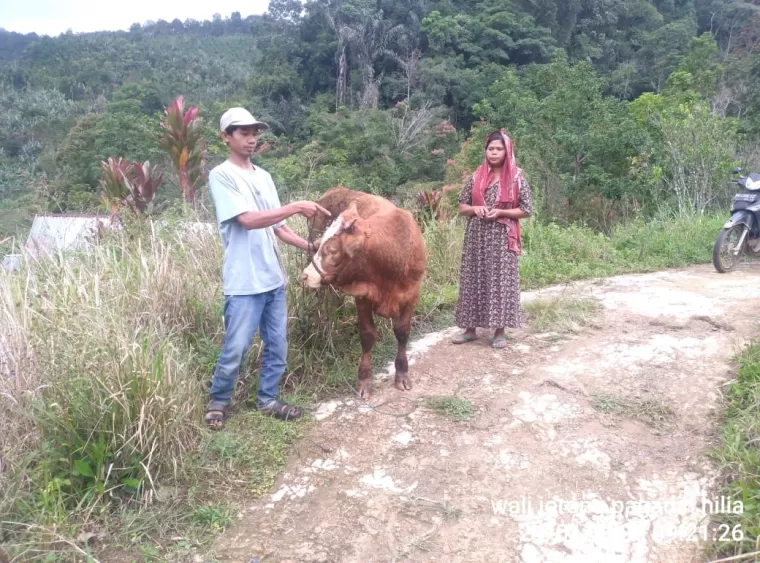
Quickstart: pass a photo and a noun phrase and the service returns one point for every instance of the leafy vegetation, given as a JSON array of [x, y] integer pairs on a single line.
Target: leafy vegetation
[[627, 115], [617, 107], [737, 456]]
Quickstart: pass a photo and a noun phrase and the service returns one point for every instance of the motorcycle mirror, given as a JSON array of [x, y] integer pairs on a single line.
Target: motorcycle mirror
[[737, 169]]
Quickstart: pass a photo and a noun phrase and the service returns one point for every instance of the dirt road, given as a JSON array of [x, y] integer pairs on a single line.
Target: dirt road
[[609, 422]]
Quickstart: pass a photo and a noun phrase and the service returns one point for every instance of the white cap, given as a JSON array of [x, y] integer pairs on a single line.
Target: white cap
[[239, 116]]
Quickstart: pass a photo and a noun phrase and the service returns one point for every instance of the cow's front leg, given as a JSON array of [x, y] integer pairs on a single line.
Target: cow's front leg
[[368, 335], [401, 327]]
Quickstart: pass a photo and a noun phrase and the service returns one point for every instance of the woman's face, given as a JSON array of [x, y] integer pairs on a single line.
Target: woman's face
[[495, 152]]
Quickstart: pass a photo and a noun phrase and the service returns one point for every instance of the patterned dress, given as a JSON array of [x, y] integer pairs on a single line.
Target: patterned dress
[[489, 280]]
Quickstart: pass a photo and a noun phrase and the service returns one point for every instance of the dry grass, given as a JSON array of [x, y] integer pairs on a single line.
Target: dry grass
[[101, 391], [422, 542], [562, 313]]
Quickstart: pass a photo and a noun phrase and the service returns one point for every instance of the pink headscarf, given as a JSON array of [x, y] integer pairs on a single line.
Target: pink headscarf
[[509, 189]]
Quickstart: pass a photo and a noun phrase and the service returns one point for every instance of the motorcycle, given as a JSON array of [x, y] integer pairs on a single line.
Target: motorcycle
[[741, 233]]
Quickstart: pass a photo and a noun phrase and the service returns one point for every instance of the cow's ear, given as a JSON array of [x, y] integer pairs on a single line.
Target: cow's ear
[[349, 227]]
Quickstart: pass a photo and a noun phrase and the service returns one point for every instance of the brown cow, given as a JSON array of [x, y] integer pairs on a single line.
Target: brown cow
[[373, 251]]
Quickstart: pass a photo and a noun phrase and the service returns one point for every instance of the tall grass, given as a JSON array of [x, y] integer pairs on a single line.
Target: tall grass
[[738, 457], [109, 388], [106, 357]]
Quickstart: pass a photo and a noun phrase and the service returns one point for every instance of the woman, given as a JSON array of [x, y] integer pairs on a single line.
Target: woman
[[495, 198]]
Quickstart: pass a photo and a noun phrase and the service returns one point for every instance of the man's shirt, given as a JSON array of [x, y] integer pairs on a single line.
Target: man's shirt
[[250, 261]]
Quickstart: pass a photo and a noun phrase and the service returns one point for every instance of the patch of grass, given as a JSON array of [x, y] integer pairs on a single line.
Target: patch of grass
[[217, 516], [251, 451], [652, 413], [554, 254], [451, 407], [561, 313], [229, 468], [737, 456]]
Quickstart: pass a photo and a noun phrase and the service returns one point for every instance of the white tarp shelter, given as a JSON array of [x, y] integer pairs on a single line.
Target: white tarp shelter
[[51, 233], [67, 231]]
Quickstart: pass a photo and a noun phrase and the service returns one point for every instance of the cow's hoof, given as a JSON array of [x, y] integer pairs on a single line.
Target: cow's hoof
[[365, 390], [403, 383]]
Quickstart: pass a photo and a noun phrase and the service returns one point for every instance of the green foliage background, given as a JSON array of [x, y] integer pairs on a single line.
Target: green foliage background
[[616, 106]]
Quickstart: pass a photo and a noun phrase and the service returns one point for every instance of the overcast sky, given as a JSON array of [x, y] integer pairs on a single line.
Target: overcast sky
[[51, 17]]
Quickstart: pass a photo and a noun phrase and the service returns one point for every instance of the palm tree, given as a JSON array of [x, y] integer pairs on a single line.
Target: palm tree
[[369, 38]]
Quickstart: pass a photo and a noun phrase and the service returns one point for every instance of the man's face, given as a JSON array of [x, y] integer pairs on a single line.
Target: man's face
[[243, 140]]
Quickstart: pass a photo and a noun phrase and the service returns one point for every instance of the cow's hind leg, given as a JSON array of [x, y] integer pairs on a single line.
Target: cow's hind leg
[[368, 335], [401, 327]]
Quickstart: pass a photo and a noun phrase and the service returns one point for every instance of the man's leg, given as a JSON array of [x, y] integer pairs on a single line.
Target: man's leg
[[274, 334], [242, 315]]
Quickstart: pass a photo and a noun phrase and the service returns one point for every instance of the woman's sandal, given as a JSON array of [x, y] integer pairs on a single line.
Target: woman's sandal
[[496, 343], [281, 410], [216, 413], [463, 338]]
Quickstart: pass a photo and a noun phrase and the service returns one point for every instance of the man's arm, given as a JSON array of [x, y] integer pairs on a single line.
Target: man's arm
[[262, 219], [286, 235], [231, 205]]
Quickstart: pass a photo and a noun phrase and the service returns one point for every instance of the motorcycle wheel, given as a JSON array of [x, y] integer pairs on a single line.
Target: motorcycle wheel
[[724, 256]]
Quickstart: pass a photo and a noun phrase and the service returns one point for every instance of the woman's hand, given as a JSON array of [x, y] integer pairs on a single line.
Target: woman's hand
[[474, 211], [480, 211], [493, 214]]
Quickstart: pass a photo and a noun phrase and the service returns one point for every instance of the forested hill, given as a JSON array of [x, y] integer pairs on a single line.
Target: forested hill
[[592, 90]]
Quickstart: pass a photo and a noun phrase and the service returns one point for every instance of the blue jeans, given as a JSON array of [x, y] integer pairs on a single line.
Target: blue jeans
[[243, 314]]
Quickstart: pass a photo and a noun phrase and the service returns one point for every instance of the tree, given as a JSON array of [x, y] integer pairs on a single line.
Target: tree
[[287, 10], [368, 34], [573, 141]]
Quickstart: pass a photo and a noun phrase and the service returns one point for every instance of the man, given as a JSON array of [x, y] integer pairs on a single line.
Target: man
[[250, 216]]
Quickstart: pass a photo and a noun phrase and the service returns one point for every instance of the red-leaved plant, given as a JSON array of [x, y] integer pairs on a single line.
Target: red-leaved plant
[[432, 203], [183, 140], [128, 183]]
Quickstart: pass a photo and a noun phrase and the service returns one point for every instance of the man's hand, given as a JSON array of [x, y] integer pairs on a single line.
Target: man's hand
[[309, 208]]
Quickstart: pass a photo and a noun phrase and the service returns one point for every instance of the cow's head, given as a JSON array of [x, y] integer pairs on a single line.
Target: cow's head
[[340, 245]]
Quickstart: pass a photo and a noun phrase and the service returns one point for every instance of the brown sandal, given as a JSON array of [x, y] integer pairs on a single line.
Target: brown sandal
[[281, 410], [216, 414]]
